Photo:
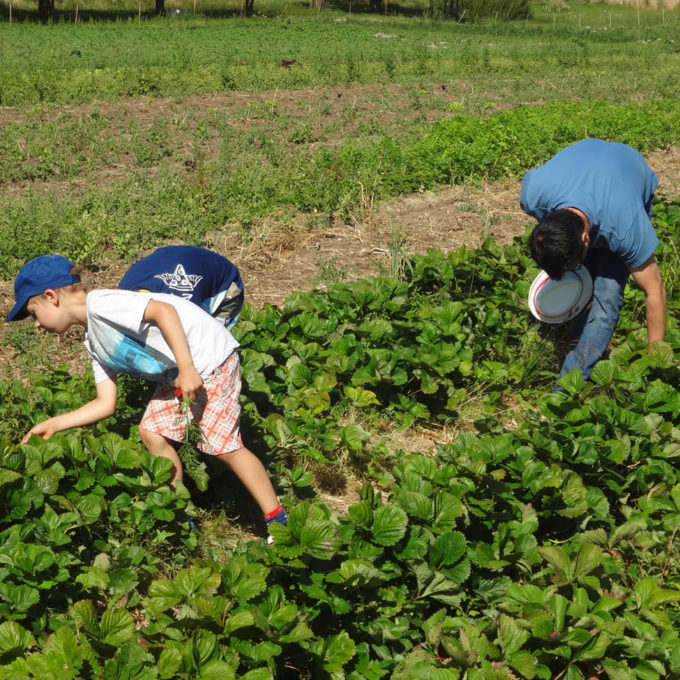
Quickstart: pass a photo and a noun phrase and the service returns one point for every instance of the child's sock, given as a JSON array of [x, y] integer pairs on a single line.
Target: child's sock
[[276, 515]]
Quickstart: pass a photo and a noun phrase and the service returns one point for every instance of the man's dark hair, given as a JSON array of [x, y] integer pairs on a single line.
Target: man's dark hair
[[556, 244]]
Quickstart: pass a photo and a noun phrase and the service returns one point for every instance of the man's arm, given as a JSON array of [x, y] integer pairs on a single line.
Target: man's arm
[[167, 319], [102, 406], [648, 277]]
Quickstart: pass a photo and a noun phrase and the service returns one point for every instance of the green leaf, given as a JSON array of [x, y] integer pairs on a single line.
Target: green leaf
[[389, 525], [325, 382], [241, 619], [572, 382], [85, 616], [21, 598], [361, 514], [8, 476], [447, 549], [116, 626], [300, 375], [62, 650], [649, 594], [204, 646], [604, 372], [317, 402], [300, 631], [169, 662], [360, 397], [589, 557], [217, 670], [524, 662], [196, 581], [337, 651], [14, 638], [354, 436], [320, 539], [48, 480], [257, 674], [595, 650], [416, 504], [574, 495], [559, 561], [245, 580], [511, 636], [436, 585], [617, 670], [93, 577]]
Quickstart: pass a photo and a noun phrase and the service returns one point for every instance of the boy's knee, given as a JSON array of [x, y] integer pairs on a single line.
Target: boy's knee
[[147, 436]]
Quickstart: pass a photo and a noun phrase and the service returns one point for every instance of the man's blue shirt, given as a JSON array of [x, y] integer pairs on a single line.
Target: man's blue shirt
[[610, 183]]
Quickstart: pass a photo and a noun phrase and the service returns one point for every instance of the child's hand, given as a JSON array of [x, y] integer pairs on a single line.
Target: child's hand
[[189, 382], [45, 430]]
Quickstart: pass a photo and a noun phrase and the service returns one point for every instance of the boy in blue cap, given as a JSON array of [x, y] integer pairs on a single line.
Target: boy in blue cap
[[156, 336], [197, 274]]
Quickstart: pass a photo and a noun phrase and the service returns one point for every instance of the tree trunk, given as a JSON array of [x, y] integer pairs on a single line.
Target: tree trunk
[[160, 7], [250, 9], [45, 10]]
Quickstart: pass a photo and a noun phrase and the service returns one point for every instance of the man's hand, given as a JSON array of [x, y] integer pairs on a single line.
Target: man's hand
[[648, 277], [45, 430]]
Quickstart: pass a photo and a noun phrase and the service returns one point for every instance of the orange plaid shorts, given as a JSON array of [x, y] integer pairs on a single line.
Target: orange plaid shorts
[[216, 411]]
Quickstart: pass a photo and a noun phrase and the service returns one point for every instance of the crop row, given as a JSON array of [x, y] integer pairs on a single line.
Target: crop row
[[535, 551], [541, 550], [191, 195]]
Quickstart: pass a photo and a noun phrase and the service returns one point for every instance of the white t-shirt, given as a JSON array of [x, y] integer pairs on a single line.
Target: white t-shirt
[[118, 340]]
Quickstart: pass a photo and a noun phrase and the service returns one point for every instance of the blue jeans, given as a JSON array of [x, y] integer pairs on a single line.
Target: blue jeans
[[594, 328]]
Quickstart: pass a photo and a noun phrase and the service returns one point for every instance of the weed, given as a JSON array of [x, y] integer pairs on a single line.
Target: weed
[[400, 265], [329, 273]]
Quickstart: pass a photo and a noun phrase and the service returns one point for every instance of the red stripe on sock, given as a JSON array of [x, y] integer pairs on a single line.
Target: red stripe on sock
[[274, 512]]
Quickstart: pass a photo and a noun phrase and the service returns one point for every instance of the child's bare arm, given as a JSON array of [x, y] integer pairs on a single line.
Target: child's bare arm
[[167, 319], [102, 406]]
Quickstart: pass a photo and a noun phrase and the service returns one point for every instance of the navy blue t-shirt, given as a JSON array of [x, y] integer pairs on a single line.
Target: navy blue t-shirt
[[610, 183], [196, 274]]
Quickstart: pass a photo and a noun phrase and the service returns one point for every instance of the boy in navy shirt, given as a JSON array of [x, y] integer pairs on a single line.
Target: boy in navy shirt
[[593, 201], [202, 276]]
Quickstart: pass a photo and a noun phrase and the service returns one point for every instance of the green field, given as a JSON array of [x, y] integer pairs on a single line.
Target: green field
[[536, 538]]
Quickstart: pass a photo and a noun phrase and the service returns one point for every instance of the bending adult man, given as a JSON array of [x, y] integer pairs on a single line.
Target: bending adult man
[[593, 202]]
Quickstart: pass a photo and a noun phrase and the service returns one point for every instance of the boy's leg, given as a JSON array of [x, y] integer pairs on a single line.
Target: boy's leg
[[598, 323], [219, 422], [249, 469], [158, 445]]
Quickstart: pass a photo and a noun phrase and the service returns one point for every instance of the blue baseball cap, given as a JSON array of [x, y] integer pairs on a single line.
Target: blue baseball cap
[[38, 275]]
